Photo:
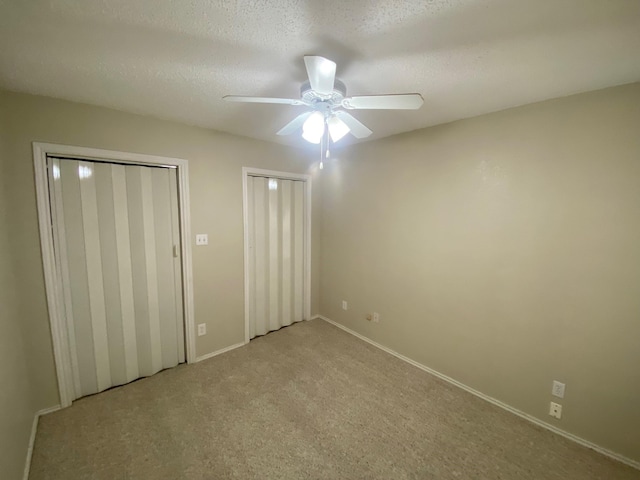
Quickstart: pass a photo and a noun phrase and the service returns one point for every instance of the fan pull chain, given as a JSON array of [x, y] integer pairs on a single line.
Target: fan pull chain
[[324, 144]]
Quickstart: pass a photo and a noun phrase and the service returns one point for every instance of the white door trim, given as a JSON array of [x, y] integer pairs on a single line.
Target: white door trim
[[55, 299], [246, 172]]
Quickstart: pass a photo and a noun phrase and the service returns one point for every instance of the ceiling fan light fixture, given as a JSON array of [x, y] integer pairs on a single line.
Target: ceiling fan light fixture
[[326, 118], [337, 128], [313, 128]]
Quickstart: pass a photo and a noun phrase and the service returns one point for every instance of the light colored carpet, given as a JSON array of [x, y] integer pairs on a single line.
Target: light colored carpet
[[309, 401]]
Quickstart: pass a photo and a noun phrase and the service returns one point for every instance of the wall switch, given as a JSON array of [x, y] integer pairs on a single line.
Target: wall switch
[[345, 306], [555, 410], [202, 329], [202, 239], [376, 317], [558, 389]]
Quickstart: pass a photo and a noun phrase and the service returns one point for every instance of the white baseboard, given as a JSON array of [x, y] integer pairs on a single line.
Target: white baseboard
[[218, 352], [526, 416], [32, 438]]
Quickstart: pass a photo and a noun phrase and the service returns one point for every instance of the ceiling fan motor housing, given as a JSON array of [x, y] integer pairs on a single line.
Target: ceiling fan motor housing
[[323, 102]]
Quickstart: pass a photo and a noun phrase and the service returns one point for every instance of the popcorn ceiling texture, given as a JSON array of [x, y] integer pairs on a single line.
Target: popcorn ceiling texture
[[176, 60]]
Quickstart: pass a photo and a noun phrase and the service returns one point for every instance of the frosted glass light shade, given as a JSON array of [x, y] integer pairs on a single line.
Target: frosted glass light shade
[[310, 138], [313, 128], [337, 128]]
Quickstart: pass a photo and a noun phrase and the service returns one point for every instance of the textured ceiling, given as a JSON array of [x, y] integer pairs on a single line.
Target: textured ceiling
[[176, 59]]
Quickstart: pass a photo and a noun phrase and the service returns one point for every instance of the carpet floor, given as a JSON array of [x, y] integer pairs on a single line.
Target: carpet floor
[[307, 402]]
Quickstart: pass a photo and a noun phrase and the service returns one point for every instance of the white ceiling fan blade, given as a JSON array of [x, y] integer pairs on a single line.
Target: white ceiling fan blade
[[322, 73], [244, 99], [358, 129], [337, 128], [294, 124], [405, 101]]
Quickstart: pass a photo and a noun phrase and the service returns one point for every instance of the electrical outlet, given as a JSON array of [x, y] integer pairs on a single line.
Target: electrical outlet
[[202, 239], [345, 305], [555, 410], [202, 329], [558, 389], [376, 317]]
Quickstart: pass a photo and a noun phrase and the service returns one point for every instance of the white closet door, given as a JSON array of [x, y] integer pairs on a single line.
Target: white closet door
[[115, 234], [276, 218]]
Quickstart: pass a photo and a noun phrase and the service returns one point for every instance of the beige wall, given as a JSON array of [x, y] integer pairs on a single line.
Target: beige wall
[[215, 162], [503, 251], [17, 403]]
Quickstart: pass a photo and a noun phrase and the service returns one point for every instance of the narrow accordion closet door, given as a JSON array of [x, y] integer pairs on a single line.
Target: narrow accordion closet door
[[276, 218], [116, 239]]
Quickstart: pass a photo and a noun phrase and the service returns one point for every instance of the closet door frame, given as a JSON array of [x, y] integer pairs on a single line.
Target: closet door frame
[[258, 172], [53, 282]]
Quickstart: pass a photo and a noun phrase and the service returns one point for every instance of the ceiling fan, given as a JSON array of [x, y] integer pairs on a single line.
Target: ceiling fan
[[326, 102]]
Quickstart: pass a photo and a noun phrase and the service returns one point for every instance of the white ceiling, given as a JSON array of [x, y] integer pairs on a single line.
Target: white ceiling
[[176, 59]]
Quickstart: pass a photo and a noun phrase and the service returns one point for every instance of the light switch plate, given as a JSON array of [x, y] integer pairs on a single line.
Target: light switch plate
[[202, 239], [558, 389]]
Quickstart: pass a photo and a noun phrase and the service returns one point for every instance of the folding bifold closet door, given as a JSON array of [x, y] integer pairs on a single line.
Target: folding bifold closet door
[[276, 231], [117, 242]]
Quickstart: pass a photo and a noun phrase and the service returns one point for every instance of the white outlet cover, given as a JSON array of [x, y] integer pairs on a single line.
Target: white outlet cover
[[555, 410], [202, 329], [558, 389], [345, 305], [376, 317], [202, 239]]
